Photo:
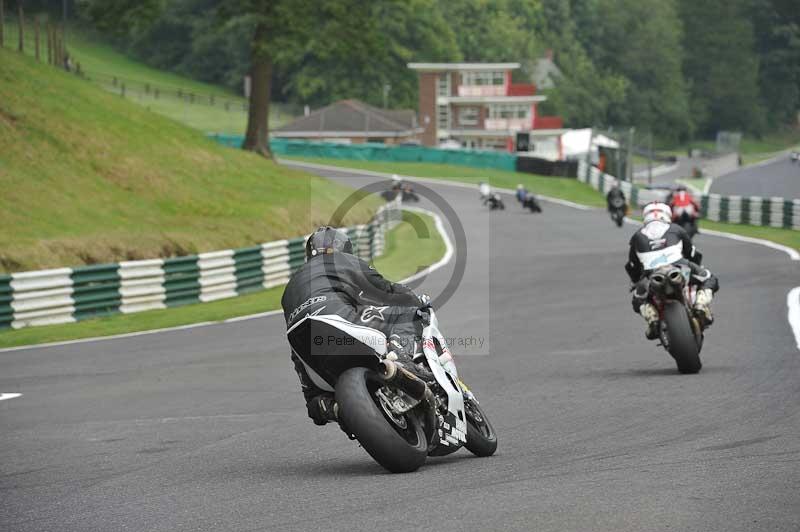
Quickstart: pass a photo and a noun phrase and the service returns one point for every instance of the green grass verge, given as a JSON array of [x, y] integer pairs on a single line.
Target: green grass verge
[[564, 188], [101, 63], [397, 263], [428, 247], [557, 187], [787, 237], [87, 177]]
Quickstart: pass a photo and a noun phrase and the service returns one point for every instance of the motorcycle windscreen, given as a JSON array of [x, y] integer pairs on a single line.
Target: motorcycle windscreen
[[661, 257]]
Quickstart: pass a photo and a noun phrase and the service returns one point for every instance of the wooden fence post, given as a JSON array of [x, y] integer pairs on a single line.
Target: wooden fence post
[[49, 31], [2, 23], [21, 16], [55, 45], [36, 36]]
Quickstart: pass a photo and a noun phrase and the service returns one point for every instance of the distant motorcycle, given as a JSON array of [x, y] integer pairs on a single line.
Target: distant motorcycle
[[795, 156], [494, 201], [681, 333], [617, 209], [688, 222], [405, 191], [409, 194], [531, 203]]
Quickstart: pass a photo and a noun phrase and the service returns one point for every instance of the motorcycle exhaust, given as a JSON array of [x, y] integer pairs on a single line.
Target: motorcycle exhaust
[[657, 279], [675, 277], [415, 387]]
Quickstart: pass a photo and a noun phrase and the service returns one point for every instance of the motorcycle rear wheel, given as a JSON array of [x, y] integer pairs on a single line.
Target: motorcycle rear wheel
[[398, 448], [683, 344]]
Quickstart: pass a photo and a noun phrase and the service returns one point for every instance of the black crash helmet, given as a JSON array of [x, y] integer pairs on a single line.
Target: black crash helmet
[[327, 240]]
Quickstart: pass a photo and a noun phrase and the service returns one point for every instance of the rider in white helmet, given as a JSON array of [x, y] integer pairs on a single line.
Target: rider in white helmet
[[660, 233]]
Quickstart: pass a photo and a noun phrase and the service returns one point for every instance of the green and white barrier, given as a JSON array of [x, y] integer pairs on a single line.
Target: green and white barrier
[[753, 210], [67, 295]]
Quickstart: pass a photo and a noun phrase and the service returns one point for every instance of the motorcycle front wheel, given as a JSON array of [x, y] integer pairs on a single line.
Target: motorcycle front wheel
[[481, 437], [396, 442]]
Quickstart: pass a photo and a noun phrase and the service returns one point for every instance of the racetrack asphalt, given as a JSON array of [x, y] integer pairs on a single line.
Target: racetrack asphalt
[[205, 428], [777, 178]]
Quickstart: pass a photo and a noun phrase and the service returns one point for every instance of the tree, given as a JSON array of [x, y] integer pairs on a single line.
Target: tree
[[721, 66], [584, 93], [777, 42], [640, 40]]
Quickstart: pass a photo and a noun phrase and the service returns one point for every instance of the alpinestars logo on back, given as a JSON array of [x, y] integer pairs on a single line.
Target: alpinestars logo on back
[[373, 313]]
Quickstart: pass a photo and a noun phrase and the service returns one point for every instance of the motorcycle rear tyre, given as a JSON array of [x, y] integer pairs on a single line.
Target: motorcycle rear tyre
[[683, 344], [365, 419]]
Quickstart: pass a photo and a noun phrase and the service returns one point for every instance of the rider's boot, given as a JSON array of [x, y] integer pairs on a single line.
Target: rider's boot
[[650, 315], [702, 307], [408, 352], [322, 409]]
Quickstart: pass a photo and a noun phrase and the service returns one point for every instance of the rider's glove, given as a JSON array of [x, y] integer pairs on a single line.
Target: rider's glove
[[424, 300]]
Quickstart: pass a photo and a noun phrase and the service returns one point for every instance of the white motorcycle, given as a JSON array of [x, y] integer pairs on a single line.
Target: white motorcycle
[[400, 413]]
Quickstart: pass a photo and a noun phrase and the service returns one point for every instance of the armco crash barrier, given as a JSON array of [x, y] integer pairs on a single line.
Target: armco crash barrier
[[753, 210], [66, 295], [382, 152]]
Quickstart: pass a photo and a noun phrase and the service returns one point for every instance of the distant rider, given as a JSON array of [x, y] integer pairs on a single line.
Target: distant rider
[[335, 282], [659, 233], [522, 193], [683, 205], [615, 197], [485, 190]]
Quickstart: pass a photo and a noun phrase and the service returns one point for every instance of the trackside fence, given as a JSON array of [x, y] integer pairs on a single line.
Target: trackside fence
[[67, 295], [751, 210]]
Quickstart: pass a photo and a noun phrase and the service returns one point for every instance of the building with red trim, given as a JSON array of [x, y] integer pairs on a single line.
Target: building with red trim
[[478, 106]]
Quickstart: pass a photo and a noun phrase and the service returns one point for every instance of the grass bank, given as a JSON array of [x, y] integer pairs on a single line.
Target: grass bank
[[405, 254], [194, 103], [87, 177]]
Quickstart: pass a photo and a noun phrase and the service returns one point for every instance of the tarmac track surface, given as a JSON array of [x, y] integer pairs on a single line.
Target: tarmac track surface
[[779, 178], [205, 429]]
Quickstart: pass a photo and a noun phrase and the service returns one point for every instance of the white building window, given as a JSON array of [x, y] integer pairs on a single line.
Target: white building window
[[483, 78], [468, 116], [443, 84], [442, 117], [510, 110]]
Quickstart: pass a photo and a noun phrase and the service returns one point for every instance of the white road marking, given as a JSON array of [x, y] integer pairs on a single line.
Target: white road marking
[[4, 396], [449, 250], [793, 302]]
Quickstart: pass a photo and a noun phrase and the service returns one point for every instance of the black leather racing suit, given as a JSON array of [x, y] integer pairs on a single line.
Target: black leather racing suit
[[613, 194], [660, 235], [343, 284]]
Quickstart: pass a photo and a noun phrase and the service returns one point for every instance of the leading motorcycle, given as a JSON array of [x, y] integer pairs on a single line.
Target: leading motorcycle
[[680, 332], [401, 413], [617, 209]]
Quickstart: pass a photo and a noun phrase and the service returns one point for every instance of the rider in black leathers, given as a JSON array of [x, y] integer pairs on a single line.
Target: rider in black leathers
[[659, 233], [613, 194], [334, 281]]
